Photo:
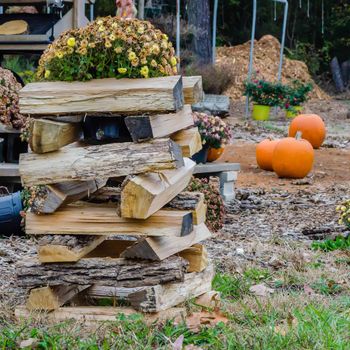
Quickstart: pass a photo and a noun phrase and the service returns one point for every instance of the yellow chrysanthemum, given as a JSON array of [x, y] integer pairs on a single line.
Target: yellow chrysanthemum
[[101, 29], [108, 44], [143, 61], [59, 54], [112, 37], [154, 63], [47, 74], [144, 71], [71, 42], [122, 70], [165, 37], [173, 61], [135, 62], [118, 49], [155, 49], [92, 45], [82, 51], [132, 55], [141, 29]]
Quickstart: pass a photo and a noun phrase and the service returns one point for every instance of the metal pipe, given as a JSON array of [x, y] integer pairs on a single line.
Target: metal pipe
[[178, 33], [215, 20], [283, 40], [92, 11], [250, 69]]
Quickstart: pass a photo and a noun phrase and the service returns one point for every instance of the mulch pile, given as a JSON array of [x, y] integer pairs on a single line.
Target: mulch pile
[[266, 61]]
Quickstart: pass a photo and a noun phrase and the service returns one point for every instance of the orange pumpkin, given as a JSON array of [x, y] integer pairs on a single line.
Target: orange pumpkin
[[214, 153], [312, 128], [293, 158], [264, 152]]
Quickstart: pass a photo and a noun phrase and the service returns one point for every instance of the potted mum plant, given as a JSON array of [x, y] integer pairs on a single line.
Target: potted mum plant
[[215, 134], [295, 95], [109, 47], [264, 95]]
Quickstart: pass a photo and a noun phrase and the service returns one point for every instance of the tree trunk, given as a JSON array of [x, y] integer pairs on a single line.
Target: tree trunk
[[199, 17]]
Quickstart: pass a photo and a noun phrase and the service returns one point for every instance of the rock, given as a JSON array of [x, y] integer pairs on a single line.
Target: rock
[[213, 105], [261, 290]]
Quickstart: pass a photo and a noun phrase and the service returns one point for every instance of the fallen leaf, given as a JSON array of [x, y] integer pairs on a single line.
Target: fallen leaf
[[198, 319], [178, 343], [261, 290], [29, 343], [210, 299]]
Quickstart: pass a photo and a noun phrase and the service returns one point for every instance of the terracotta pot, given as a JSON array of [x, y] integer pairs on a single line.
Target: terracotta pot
[[214, 153]]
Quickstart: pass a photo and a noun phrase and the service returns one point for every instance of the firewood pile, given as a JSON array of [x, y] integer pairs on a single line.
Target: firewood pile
[[138, 243], [265, 63]]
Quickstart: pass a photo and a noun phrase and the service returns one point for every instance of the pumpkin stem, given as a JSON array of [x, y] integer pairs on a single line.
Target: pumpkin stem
[[298, 135]]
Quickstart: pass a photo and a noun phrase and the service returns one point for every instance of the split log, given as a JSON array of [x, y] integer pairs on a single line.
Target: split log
[[143, 195], [90, 315], [146, 127], [51, 298], [197, 256], [103, 271], [51, 197], [102, 219], [159, 297], [193, 201], [101, 161], [66, 248], [160, 248], [193, 89], [162, 297], [47, 135], [123, 96], [189, 140]]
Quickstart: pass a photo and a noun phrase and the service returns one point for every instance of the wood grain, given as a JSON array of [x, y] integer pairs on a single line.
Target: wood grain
[[102, 219], [143, 195], [123, 96], [100, 161]]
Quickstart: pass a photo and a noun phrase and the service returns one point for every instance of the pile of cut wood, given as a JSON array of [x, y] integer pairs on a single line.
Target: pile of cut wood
[[138, 243]]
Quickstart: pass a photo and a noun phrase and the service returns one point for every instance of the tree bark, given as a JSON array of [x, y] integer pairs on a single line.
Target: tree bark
[[102, 271], [199, 17]]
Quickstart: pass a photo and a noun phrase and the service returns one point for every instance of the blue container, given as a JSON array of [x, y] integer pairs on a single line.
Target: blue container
[[201, 156], [10, 218]]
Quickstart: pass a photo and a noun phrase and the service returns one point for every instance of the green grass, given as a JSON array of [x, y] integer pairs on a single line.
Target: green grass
[[314, 327], [328, 245]]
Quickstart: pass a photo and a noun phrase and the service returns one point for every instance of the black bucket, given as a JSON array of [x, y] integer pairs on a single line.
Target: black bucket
[[10, 218], [105, 130]]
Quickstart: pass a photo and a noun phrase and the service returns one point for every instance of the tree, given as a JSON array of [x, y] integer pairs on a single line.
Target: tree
[[199, 19]]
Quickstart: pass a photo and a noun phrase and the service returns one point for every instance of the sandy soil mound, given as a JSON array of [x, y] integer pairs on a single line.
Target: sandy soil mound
[[266, 60]]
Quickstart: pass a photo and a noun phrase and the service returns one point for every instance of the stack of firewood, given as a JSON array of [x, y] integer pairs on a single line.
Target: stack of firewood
[[137, 242]]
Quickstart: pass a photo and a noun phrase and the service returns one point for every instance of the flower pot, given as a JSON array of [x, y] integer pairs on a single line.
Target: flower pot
[[294, 112], [261, 112], [214, 153], [202, 155]]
